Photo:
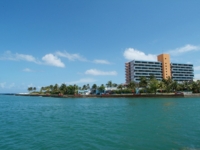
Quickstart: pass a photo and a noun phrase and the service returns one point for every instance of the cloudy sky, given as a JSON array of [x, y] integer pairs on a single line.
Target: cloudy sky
[[85, 42]]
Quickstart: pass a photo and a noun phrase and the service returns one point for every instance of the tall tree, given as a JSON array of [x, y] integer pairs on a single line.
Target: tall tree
[[114, 85], [101, 88], [120, 87], [88, 86], [198, 85], [56, 88], [84, 87], [195, 88], [51, 88], [161, 86], [152, 76], [143, 82], [168, 84], [109, 84], [70, 89], [42, 89], [94, 88], [75, 89], [174, 86], [153, 85], [34, 88], [30, 89], [187, 86], [131, 85], [47, 88], [63, 88]]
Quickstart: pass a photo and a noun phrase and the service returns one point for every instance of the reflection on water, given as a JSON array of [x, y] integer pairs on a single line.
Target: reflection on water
[[169, 103]]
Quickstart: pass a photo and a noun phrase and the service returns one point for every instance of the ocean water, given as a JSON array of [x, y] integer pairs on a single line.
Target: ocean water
[[30, 123]]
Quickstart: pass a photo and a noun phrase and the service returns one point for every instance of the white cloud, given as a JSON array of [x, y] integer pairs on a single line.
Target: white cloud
[[99, 61], [84, 80], [71, 57], [26, 57], [17, 57], [96, 72], [133, 54], [2, 85], [48, 59], [7, 56], [197, 68], [52, 60], [186, 48], [27, 70]]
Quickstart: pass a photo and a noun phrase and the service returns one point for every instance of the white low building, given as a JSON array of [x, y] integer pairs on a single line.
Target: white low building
[[84, 92]]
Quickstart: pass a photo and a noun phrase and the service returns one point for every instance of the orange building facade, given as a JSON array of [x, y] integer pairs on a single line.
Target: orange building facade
[[166, 65]]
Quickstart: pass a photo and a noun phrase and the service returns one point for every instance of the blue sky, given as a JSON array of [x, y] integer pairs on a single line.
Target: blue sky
[[85, 42]]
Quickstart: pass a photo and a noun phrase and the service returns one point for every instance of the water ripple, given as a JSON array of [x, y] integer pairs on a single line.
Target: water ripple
[[53, 123]]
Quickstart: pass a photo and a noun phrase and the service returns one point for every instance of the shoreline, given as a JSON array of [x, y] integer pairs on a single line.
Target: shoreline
[[169, 95]]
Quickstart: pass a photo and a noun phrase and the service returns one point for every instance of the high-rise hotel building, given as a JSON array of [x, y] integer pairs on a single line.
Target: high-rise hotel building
[[161, 69]]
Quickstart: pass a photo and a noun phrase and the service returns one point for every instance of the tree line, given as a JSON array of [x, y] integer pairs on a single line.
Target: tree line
[[145, 85]]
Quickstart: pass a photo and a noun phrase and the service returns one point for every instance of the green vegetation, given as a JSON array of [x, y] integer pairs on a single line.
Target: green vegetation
[[151, 85], [32, 89]]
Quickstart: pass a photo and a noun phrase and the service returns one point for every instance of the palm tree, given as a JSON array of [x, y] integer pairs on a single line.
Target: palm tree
[[161, 86], [120, 86], [51, 88], [151, 76], [71, 89], [63, 88], [143, 82], [30, 89], [75, 89], [109, 84], [88, 86], [168, 84], [84, 87], [94, 88], [174, 86], [187, 86], [195, 87], [101, 88], [153, 85], [132, 86], [56, 88], [34, 88], [198, 85], [42, 88], [114, 85]]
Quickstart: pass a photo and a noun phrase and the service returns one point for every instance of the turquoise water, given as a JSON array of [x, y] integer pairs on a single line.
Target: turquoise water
[[99, 123]]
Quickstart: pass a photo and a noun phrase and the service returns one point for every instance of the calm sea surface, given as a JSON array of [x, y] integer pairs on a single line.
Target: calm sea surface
[[39, 123]]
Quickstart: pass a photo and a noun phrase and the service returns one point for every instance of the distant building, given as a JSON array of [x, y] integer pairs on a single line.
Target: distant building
[[84, 92], [161, 69], [182, 72], [139, 69]]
